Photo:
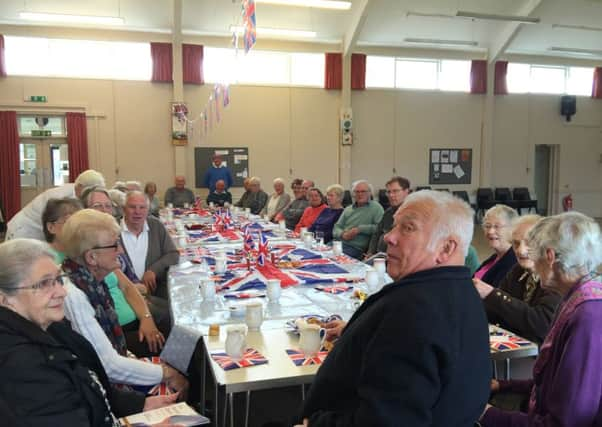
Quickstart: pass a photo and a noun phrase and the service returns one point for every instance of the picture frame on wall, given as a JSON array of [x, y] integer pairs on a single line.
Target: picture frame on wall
[[179, 124]]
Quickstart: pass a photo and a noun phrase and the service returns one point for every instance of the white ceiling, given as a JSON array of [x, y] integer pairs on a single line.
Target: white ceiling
[[386, 22]]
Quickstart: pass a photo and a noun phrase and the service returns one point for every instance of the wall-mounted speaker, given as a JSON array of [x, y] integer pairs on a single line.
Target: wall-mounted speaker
[[346, 126], [568, 106]]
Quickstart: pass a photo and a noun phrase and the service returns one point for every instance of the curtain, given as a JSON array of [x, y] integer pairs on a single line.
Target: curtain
[[333, 71], [192, 64], [597, 86], [161, 54], [77, 144], [500, 86], [358, 71], [10, 177], [478, 76], [2, 60]]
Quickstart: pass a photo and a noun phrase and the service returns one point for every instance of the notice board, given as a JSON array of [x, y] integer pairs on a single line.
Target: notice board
[[235, 158], [450, 166]]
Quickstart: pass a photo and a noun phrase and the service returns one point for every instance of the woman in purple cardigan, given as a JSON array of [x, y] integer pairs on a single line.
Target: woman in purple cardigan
[[566, 390]]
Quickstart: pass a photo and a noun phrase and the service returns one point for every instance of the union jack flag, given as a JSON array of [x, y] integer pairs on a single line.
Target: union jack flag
[[335, 289], [248, 13], [249, 243], [262, 251], [500, 341], [251, 357], [299, 358], [227, 219], [230, 282]]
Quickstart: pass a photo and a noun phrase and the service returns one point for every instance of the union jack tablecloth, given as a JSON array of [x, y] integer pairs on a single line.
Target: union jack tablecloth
[[299, 358], [501, 341], [251, 357], [335, 289], [160, 389]]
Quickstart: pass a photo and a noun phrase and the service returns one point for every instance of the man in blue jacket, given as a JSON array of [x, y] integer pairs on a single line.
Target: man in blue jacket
[[217, 171]]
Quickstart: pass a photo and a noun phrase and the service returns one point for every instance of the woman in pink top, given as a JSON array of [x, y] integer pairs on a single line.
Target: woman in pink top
[[315, 208], [498, 232]]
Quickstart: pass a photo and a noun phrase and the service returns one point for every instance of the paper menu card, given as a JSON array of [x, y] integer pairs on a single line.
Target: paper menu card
[[179, 413]]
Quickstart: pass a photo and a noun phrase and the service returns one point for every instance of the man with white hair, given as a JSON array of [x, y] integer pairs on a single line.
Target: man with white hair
[[256, 198], [416, 353], [147, 244], [27, 223], [179, 195], [358, 221]]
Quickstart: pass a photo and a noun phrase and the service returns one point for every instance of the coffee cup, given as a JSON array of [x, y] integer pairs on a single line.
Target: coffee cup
[[254, 316]]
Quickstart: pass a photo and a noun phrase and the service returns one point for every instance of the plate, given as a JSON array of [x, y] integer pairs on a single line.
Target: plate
[[291, 325]]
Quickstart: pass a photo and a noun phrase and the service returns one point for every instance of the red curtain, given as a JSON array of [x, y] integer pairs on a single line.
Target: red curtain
[[2, 60], [161, 54], [358, 71], [597, 87], [77, 144], [500, 86], [333, 71], [192, 63], [10, 178], [478, 76]]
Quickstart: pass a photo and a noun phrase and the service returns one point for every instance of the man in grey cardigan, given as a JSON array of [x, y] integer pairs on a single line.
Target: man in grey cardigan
[[147, 244]]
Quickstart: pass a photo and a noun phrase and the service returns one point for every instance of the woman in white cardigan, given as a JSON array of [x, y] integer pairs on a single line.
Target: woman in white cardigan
[[277, 201]]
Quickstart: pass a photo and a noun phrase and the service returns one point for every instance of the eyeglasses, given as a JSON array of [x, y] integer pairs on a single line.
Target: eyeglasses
[[394, 191], [105, 206], [115, 246], [45, 284], [495, 227], [361, 191]]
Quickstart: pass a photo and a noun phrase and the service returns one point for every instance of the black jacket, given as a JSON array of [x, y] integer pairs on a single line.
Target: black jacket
[[497, 273], [529, 316], [414, 354], [46, 379]]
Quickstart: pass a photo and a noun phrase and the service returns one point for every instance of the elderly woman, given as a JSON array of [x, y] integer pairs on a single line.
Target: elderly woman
[[566, 389], [292, 213], [278, 200], [150, 189], [315, 208], [520, 304], [55, 215], [497, 228], [51, 375], [324, 223], [92, 245]]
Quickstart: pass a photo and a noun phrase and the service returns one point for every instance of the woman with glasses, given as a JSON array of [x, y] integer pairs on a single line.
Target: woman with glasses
[[324, 223], [51, 375], [315, 208], [92, 245], [497, 230], [292, 213], [566, 389]]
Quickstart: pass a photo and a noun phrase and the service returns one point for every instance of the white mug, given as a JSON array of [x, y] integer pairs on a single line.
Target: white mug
[[169, 215], [311, 338], [186, 205], [337, 248], [308, 239], [372, 279], [247, 212], [302, 231], [170, 205], [236, 341], [208, 290], [182, 242], [211, 205], [220, 265], [274, 290], [282, 224], [380, 266], [254, 316]]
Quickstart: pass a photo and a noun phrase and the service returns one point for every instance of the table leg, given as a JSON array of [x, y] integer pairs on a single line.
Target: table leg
[[231, 404], [247, 404], [204, 367], [302, 391], [216, 405], [225, 416], [507, 370]]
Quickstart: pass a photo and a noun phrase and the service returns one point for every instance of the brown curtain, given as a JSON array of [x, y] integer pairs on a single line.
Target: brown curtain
[[597, 86], [161, 54], [500, 86], [192, 63], [77, 144], [2, 59], [333, 71], [358, 71], [478, 76], [10, 178]]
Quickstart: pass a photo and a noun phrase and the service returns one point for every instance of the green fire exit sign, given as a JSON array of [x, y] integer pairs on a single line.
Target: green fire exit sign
[[37, 98]]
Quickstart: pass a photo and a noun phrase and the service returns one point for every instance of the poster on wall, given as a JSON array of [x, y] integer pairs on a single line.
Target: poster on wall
[[450, 166], [179, 125]]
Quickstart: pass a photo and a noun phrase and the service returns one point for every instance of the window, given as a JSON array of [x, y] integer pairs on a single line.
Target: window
[[524, 78], [54, 124], [34, 56], [433, 74], [264, 67]]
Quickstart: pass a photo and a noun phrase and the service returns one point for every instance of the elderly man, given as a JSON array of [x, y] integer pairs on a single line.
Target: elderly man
[[218, 171], [147, 244], [256, 198], [27, 222], [307, 184], [243, 199], [417, 352], [179, 195], [398, 189], [358, 221], [220, 196], [293, 212]]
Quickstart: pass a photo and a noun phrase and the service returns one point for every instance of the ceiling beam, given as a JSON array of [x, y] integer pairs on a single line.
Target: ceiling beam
[[359, 10], [498, 46]]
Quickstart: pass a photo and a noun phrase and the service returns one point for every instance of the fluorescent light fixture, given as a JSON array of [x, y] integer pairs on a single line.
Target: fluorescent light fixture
[[318, 4], [71, 19], [577, 27], [576, 51], [429, 15], [495, 17], [276, 32], [442, 41]]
